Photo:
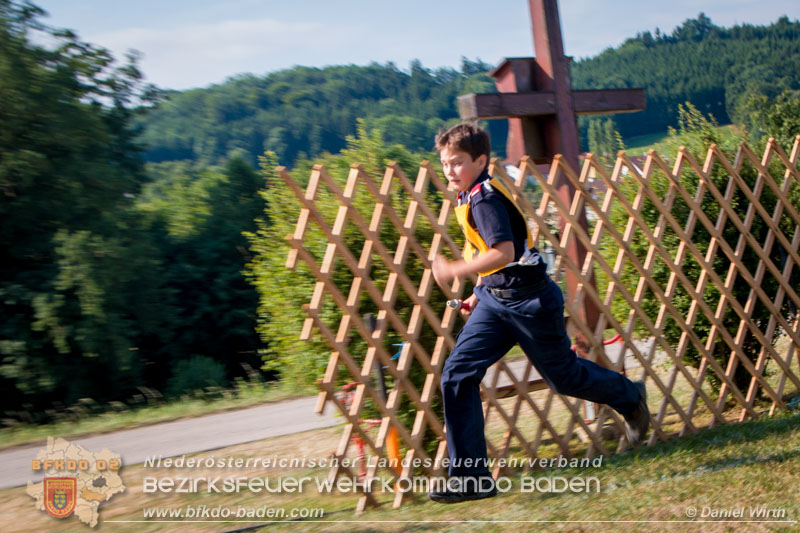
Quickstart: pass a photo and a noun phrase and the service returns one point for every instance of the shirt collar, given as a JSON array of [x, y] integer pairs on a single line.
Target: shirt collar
[[462, 196]]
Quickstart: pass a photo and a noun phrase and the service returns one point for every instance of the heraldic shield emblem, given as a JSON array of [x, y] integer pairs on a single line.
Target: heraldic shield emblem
[[60, 495]]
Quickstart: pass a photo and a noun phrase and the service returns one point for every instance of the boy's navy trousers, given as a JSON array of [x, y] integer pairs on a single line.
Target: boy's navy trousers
[[536, 322]]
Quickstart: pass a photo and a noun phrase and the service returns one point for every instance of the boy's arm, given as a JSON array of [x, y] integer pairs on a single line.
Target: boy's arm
[[444, 271]]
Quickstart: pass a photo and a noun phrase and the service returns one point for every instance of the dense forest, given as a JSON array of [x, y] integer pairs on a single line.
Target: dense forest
[[305, 111], [116, 278], [719, 70], [136, 248]]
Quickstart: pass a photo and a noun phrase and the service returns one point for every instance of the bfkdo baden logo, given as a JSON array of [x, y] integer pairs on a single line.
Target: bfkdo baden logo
[[59, 495], [76, 480]]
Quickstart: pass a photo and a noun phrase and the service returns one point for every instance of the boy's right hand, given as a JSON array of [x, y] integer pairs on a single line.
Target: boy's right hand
[[472, 301]]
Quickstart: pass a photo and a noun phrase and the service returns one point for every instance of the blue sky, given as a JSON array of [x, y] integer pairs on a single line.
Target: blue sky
[[196, 43]]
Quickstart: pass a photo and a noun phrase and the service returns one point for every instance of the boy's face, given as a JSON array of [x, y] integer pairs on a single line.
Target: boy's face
[[459, 167]]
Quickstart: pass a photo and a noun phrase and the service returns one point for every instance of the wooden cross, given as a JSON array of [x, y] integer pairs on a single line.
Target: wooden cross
[[536, 97]]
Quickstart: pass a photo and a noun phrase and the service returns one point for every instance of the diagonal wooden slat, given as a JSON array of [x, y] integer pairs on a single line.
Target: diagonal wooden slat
[[700, 259], [744, 272], [624, 292], [751, 300]]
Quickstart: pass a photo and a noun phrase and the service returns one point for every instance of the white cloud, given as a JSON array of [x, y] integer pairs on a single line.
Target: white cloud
[[190, 55]]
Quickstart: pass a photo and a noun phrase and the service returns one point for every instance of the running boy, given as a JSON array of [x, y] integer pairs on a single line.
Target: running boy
[[513, 302]]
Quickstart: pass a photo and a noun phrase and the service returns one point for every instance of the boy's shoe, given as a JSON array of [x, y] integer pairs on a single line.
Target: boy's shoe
[[464, 489], [638, 420]]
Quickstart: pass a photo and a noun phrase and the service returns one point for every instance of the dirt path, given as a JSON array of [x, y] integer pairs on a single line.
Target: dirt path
[[189, 435]]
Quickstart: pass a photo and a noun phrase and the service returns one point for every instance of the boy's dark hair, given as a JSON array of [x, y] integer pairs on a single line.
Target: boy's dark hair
[[467, 137]]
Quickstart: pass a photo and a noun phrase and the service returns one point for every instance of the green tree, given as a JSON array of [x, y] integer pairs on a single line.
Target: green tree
[[197, 215], [779, 118], [72, 268], [280, 313], [282, 292], [604, 139]]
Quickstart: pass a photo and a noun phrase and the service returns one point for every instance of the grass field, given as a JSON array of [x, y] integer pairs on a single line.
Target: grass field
[[641, 144], [746, 468]]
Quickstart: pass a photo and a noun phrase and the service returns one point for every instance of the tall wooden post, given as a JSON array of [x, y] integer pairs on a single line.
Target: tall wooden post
[[536, 97]]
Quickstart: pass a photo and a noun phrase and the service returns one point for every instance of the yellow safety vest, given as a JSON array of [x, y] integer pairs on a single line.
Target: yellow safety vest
[[475, 244]]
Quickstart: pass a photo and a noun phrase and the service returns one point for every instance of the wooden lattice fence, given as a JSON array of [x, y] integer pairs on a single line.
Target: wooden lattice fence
[[658, 235]]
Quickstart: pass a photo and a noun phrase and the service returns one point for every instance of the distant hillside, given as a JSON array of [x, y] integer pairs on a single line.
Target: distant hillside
[[305, 111], [308, 110], [717, 69]]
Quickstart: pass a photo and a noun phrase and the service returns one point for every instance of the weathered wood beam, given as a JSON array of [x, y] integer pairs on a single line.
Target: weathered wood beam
[[540, 103], [599, 101], [503, 105]]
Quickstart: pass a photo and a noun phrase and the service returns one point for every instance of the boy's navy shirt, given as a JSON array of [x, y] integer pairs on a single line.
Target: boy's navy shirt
[[498, 220]]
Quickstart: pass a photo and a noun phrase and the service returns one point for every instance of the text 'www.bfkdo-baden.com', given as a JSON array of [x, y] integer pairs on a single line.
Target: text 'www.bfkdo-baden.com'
[[236, 512]]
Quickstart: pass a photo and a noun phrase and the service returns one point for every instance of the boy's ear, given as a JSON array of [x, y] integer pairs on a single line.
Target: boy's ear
[[483, 160]]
